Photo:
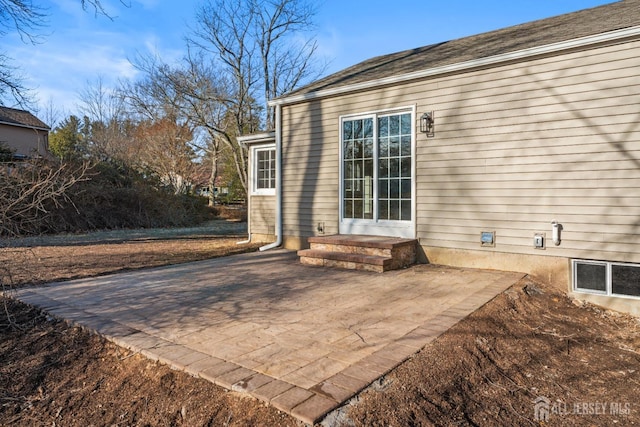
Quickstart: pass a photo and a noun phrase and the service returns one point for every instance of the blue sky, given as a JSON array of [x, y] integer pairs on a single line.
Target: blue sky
[[77, 47]]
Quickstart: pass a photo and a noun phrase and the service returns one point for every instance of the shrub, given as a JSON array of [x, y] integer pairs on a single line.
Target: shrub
[[31, 192], [45, 197], [117, 197]]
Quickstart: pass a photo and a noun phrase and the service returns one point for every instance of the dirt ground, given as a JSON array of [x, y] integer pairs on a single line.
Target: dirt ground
[[529, 344]]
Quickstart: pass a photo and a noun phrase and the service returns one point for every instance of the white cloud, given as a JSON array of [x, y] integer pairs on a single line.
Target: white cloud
[[59, 68], [155, 46], [149, 4], [67, 7], [331, 46]]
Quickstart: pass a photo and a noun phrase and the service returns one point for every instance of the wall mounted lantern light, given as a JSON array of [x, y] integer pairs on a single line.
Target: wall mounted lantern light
[[427, 124]]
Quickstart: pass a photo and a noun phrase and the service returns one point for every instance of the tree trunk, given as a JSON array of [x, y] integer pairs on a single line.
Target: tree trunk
[[212, 178]]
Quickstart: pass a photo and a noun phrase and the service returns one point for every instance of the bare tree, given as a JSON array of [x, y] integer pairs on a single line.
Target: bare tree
[[23, 16], [50, 113], [100, 103], [107, 124], [208, 100], [28, 193], [165, 151], [286, 61], [200, 95], [12, 83], [257, 44], [98, 7], [28, 19], [262, 45]]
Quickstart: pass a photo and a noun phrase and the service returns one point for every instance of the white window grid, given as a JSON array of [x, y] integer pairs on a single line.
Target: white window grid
[[400, 190]]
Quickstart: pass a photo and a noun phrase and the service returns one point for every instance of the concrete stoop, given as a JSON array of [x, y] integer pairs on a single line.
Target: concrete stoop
[[359, 252]]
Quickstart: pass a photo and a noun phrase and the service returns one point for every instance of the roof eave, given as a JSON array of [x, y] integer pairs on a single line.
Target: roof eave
[[21, 125], [257, 138], [610, 36]]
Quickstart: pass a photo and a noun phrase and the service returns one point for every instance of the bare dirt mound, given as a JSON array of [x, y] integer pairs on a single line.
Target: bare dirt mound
[[531, 342], [53, 374]]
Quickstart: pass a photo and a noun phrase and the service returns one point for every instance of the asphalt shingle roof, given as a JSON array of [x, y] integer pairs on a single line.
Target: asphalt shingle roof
[[16, 117], [588, 22]]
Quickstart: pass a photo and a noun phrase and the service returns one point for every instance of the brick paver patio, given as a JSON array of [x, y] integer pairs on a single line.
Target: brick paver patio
[[303, 339]]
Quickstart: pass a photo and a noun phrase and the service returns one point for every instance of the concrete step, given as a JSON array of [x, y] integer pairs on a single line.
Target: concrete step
[[359, 252], [351, 261], [381, 242]]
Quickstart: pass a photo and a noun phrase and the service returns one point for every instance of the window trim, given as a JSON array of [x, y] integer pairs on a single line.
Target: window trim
[[574, 268], [609, 278], [255, 191]]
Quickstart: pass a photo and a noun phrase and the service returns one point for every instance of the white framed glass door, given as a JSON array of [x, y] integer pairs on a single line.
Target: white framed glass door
[[376, 174]]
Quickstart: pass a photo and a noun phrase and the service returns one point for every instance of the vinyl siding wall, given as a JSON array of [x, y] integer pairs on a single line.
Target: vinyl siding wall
[[262, 215], [515, 147]]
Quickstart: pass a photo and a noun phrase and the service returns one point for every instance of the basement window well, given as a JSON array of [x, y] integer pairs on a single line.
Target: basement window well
[[606, 278]]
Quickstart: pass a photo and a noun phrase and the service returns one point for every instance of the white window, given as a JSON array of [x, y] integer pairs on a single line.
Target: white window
[[264, 170], [606, 278]]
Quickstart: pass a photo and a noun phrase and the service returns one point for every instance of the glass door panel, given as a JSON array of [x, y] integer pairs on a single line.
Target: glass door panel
[[394, 167], [358, 169]]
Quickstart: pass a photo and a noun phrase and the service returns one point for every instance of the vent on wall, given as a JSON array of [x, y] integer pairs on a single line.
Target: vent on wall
[[488, 238], [606, 278]]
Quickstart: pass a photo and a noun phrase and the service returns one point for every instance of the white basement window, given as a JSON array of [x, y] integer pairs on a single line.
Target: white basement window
[[606, 278], [264, 170]]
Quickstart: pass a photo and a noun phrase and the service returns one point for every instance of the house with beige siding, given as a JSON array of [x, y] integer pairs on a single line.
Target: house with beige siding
[[516, 149], [23, 133]]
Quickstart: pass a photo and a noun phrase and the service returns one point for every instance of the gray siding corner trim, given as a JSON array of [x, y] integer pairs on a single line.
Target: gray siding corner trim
[[609, 37]]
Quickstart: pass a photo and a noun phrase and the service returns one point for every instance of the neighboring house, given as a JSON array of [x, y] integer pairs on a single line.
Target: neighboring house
[[483, 148], [23, 133]]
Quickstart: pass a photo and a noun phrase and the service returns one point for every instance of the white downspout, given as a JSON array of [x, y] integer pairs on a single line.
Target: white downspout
[[278, 224]]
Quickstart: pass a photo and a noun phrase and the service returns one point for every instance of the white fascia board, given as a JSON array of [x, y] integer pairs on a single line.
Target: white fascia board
[[610, 36], [257, 138]]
